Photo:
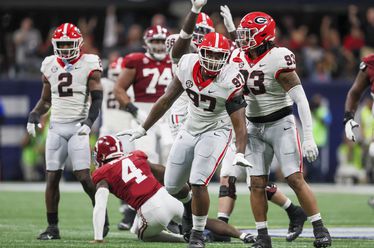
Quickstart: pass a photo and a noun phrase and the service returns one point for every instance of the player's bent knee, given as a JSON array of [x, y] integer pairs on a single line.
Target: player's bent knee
[[173, 190], [228, 191], [271, 189]]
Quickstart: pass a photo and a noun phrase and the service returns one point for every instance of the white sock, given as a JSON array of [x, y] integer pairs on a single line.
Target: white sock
[[261, 225], [199, 222], [224, 215], [187, 198], [315, 217], [286, 204]]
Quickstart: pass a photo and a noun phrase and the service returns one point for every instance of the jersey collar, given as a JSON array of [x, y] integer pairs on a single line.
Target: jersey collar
[[198, 77], [60, 62], [252, 62]]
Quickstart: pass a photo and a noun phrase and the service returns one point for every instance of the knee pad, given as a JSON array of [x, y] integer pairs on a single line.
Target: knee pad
[[271, 189], [230, 190]]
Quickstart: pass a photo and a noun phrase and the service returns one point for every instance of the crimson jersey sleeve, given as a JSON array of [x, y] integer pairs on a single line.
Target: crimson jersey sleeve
[[367, 65]]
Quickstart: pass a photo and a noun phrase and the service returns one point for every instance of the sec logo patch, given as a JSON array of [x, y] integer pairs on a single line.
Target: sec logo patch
[[188, 84]]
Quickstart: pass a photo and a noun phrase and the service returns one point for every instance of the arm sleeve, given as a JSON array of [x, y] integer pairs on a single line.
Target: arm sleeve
[[98, 218], [297, 94], [97, 98]]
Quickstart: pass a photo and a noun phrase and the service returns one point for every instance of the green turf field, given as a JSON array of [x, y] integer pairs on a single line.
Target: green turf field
[[22, 218]]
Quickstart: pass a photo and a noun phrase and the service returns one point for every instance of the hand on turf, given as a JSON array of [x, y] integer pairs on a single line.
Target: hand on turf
[[134, 133], [241, 161]]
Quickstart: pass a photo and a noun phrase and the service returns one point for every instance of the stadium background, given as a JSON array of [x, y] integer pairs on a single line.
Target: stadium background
[[328, 38]]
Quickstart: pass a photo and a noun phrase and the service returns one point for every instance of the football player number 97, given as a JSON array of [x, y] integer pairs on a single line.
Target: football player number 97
[[65, 79], [157, 79]]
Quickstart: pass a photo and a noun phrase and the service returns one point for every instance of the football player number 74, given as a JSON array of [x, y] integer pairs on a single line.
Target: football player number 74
[[158, 78], [129, 171]]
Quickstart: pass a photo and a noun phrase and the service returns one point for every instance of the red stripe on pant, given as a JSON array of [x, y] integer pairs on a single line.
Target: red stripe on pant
[[219, 160], [143, 227], [300, 153]]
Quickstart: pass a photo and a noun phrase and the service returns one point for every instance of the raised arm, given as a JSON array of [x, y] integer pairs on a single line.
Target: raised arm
[[98, 216], [182, 45]]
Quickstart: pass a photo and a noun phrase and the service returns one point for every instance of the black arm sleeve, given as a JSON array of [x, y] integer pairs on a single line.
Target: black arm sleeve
[[97, 98], [235, 103]]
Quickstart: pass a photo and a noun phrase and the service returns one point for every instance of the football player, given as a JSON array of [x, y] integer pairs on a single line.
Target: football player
[[135, 180], [149, 73], [364, 80], [70, 80], [273, 87], [114, 120], [215, 91], [228, 176]]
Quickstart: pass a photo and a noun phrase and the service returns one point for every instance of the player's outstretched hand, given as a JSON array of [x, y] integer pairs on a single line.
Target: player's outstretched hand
[[310, 150], [31, 128], [227, 18], [349, 128], [134, 133], [84, 129], [197, 5], [241, 161]]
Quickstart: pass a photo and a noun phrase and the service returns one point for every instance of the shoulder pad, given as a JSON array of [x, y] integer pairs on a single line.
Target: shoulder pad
[[91, 58], [139, 153], [48, 59], [134, 56]]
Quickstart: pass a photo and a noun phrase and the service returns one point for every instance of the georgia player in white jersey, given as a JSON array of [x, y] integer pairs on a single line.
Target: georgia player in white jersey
[[70, 80], [273, 87], [113, 118], [215, 91]]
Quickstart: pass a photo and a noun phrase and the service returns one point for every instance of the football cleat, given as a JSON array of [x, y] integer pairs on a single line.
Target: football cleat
[[214, 237], [196, 239], [249, 238], [323, 238], [50, 233], [186, 223], [174, 227], [297, 219], [262, 241], [127, 221]]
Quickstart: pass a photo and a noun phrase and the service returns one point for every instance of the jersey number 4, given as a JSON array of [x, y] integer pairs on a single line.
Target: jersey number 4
[[65, 79], [129, 171], [157, 79]]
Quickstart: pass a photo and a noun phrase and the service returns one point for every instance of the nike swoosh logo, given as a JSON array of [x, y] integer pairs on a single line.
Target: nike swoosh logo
[[211, 91], [286, 128], [49, 236], [261, 65], [76, 68], [216, 134]]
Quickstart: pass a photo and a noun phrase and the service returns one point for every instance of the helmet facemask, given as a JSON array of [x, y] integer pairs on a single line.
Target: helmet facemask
[[199, 33], [246, 38], [157, 48], [66, 48], [213, 59]]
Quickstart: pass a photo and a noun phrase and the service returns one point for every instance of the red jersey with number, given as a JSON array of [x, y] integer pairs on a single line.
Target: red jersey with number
[[129, 178], [368, 65], [151, 77]]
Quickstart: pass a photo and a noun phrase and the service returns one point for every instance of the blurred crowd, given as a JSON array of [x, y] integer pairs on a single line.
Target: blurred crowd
[[327, 47]]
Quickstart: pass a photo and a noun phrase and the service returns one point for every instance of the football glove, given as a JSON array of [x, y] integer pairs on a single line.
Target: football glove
[[84, 129], [134, 133], [227, 18], [350, 125], [371, 149], [310, 150], [197, 5], [241, 161], [32, 123]]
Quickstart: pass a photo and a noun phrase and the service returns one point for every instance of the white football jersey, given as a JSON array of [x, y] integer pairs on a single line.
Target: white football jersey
[[266, 94], [69, 86], [207, 104], [114, 120]]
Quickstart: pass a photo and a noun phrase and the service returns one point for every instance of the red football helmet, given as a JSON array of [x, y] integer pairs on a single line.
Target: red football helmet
[[204, 25], [214, 52], [255, 29], [154, 38], [115, 69], [67, 41], [107, 147]]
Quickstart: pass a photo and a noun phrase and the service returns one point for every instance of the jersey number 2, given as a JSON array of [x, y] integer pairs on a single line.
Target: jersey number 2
[[164, 79], [65, 79], [129, 171]]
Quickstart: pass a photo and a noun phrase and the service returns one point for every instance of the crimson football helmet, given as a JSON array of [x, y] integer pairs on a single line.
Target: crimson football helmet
[[67, 41], [107, 147], [154, 39], [203, 26], [115, 69], [214, 51], [255, 29]]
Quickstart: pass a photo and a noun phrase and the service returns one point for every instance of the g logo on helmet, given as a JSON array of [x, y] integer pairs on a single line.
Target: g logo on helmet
[[260, 20]]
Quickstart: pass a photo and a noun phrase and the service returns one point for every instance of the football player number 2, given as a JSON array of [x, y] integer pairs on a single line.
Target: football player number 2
[[157, 79], [65, 79], [129, 171]]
